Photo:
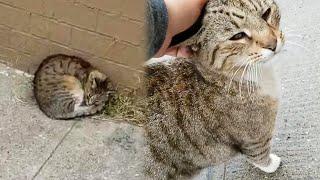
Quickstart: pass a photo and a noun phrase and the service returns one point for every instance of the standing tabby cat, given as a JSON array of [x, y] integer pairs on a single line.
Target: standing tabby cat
[[66, 87], [222, 102]]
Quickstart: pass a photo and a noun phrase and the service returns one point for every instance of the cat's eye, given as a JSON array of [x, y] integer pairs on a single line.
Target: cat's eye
[[266, 14], [239, 36]]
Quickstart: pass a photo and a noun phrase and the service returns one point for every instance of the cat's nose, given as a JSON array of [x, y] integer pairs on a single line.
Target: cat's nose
[[271, 44]]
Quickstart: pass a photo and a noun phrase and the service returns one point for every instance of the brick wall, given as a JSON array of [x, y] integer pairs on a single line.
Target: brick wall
[[108, 33]]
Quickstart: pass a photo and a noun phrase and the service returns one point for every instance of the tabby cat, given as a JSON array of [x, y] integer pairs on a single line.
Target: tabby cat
[[66, 87], [205, 110]]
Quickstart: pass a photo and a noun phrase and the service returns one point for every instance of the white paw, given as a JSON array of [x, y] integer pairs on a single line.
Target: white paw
[[164, 59], [273, 166]]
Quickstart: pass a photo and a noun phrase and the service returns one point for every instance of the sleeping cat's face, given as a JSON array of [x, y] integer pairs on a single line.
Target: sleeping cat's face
[[240, 32], [97, 88]]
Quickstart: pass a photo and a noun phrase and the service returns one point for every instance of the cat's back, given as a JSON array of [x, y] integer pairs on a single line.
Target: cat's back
[[181, 89], [59, 79], [177, 75], [58, 70], [61, 64]]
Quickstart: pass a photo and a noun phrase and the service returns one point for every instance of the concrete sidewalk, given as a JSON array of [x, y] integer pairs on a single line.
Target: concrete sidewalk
[[35, 147]]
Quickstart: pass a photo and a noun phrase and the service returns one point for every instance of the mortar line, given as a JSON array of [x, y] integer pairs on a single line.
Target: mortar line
[[69, 23], [54, 150]]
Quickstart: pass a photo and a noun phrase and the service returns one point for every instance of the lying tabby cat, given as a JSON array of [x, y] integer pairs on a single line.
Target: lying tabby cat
[[222, 102], [66, 87]]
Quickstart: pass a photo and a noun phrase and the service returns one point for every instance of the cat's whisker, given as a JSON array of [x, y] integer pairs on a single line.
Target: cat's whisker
[[297, 35], [249, 80], [296, 43], [242, 76], [256, 73], [252, 81], [230, 71], [300, 36], [301, 29], [301, 46], [287, 32], [251, 84], [253, 77], [259, 72], [234, 75]]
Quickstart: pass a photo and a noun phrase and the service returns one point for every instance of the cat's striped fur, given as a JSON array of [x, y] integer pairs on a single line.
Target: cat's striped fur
[[205, 110], [66, 87]]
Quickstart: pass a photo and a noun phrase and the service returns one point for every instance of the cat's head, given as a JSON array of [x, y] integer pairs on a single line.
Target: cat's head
[[237, 32], [98, 88]]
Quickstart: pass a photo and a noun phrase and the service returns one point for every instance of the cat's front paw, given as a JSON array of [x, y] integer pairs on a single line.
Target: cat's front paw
[[273, 166]]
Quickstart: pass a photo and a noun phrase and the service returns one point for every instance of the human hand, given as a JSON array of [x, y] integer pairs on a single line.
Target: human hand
[[182, 15]]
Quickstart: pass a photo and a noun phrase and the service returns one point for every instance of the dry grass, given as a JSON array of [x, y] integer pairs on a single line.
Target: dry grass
[[126, 106]]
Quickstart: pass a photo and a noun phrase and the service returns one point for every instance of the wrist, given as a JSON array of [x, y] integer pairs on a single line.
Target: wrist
[[172, 17], [182, 14]]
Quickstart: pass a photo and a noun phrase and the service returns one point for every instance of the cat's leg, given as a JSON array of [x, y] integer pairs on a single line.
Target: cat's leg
[[88, 110], [259, 155], [156, 168], [80, 111]]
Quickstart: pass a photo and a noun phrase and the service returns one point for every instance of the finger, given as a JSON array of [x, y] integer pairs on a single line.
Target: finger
[[162, 51], [172, 51], [184, 52], [183, 13]]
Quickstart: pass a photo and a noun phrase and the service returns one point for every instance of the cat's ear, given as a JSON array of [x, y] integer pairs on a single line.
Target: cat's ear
[[196, 30], [98, 75], [94, 83], [193, 42]]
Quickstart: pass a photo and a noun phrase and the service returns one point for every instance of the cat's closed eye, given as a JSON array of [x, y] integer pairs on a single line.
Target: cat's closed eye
[[239, 36], [94, 84], [266, 14]]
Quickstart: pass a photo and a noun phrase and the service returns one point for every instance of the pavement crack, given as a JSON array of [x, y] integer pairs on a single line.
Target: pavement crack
[[54, 150], [225, 172]]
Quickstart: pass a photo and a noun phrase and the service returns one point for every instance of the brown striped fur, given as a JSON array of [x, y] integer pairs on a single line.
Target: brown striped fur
[[203, 111], [66, 87]]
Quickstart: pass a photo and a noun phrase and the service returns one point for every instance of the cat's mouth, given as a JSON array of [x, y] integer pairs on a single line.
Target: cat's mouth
[[266, 55]]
